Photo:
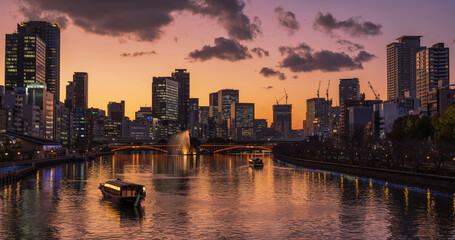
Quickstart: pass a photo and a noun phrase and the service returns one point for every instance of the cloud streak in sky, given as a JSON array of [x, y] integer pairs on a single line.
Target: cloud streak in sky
[[260, 52], [143, 20], [137, 54], [269, 72], [224, 49], [287, 20], [304, 59], [350, 46], [354, 27]]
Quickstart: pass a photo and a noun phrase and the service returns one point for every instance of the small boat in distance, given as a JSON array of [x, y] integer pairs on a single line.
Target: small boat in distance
[[255, 162], [122, 192]]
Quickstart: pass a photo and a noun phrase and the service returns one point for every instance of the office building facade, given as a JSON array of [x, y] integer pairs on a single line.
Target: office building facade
[[349, 89]]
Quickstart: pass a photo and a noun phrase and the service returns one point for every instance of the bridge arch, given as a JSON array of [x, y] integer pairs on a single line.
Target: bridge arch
[[119, 148], [240, 146]]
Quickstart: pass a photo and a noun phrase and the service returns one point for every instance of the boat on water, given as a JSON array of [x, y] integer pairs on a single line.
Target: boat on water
[[255, 162], [122, 192]]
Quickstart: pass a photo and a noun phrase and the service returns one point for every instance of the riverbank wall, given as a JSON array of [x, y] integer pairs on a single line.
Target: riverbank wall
[[13, 171], [436, 182]]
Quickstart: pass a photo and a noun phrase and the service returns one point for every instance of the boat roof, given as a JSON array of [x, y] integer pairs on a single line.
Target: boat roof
[[120, 183]]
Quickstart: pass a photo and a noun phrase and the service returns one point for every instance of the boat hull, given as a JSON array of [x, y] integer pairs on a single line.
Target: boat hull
[[122, 200]]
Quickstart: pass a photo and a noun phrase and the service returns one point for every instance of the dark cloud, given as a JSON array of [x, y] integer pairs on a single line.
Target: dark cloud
[[352, 26], [33, 13], [142, 20], [269, 72], [224, 49], [295, 77], [350, 45], [137, 54], [287, 20], [268, 87], [303, 59], [260, 52], [176, 39]]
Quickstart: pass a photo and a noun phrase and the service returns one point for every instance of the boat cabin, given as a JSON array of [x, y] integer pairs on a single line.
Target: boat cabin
[[123, 189]]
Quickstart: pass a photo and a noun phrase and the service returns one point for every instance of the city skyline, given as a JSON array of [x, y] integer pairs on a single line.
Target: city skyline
[[113, 62]]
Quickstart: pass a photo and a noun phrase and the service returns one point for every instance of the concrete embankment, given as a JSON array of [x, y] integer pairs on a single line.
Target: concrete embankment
[[436, 182], [13, 171]]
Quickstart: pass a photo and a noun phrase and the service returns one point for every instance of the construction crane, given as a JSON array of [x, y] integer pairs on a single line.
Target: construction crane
[[327, 91], [376, 96], [319, 87], [285, 96]]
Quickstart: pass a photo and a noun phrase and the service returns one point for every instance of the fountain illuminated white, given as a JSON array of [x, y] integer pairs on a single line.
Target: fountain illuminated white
[[182, 140]]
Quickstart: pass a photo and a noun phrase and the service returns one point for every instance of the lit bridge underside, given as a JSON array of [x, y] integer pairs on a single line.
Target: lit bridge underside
[[207, 148]]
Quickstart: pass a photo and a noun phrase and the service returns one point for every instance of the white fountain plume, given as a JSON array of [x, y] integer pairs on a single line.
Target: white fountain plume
[[182, 140]]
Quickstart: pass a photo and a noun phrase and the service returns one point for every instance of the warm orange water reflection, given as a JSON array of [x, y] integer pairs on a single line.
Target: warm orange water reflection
[[215, 197]]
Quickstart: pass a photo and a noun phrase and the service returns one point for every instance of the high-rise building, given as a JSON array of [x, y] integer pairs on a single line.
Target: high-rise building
[[204, 116], [25, 60], [194, 117], [282, 119], [349, 89], [116, 111], [80, 90], [69, 95], [165, 105], [183, 78], [401, 66], [344, 131], [318, 116], [242, 120], [225, 99], [50, 34], [432, 69], [213, 106], [165, 98]]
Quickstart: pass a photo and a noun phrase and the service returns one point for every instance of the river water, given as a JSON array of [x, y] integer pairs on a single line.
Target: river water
[[212, 197]]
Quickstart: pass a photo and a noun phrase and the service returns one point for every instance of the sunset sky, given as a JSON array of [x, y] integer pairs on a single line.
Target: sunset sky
[[257, 46]]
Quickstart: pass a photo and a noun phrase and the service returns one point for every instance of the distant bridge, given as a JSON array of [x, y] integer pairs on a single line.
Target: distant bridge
[[209, 148]]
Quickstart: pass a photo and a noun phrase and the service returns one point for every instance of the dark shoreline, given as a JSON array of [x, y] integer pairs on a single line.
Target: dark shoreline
[[441, 183], [35, 164]]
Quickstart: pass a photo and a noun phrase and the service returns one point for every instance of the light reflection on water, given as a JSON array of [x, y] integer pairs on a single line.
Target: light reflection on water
[[218, 197]]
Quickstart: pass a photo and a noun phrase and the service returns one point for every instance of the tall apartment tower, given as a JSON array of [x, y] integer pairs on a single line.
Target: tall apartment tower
[[80, 90], [401, 66], [349, 89], [165, 98], [432, 68], [50, 34], [225, 98], [318, 116], [25, 60], [282, 119], [183, 78]]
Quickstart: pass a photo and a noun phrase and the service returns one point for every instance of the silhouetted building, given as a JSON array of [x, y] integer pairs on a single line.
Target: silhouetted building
[[401, 66], [204, 113], [144, 113], [183, 79], [194, 117], [80, 90], [282, 119], [25, 60], [432, 67], [213, 106], [50, 34], [318, 116], [346, 105], [349, 89], [116, 111], [440, 100], [225, 99], [242, 121]]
